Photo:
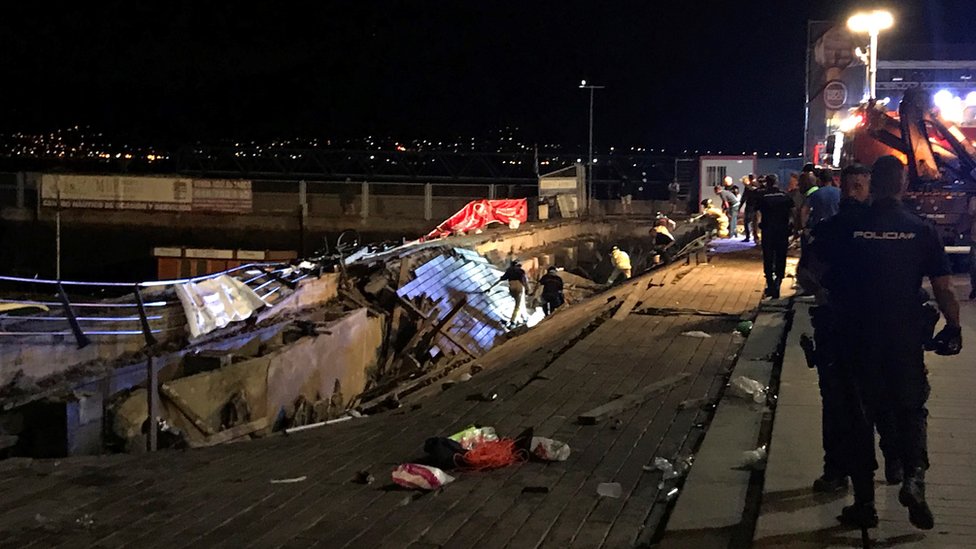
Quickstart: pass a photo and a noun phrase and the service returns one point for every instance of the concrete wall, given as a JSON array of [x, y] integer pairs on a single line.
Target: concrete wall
[[312, 365], [309, 367], [207, 393]]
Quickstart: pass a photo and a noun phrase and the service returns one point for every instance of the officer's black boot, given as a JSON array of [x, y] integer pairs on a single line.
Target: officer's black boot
[[830, 483], [862, 513], [912, 495]]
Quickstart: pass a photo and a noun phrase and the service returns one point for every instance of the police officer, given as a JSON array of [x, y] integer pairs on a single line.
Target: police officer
[[552, 291], [811, 272], [776, 210], [877, 264]]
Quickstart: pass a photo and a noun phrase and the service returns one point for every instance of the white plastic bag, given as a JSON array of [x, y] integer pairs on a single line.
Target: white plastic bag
[[424, 477], [549, 450], [755, 459], [747, 388]]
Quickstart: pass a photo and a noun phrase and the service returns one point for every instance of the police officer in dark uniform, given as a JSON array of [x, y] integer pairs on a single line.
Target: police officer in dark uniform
[[822, 350], [552, 291], [877, 263], [776, 211]]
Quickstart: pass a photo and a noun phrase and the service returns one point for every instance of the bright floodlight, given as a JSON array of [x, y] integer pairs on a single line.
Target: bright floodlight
[[582, 83], [871, 22]]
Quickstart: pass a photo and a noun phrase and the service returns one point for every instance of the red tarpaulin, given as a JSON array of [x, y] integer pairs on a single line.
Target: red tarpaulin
[[480, 213]]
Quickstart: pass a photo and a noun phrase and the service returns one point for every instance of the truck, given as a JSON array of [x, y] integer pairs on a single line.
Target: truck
[[939, 154]]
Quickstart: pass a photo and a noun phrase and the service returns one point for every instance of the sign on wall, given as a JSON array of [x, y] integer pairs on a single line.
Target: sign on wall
[[164, 194]]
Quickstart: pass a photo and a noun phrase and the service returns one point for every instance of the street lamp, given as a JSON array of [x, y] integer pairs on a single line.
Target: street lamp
[[872, 23], [589, 159]]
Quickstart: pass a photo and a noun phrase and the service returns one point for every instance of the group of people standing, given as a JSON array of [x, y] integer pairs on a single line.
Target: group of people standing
[[864, 257], [768, 210]]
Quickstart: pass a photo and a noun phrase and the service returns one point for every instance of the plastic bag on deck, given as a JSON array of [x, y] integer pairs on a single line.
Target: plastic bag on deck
[[424, 477]]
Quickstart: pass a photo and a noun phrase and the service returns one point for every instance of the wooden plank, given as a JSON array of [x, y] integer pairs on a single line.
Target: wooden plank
[[405, 265], [608, 410], [183, 407], [635, 294], [238, 431]]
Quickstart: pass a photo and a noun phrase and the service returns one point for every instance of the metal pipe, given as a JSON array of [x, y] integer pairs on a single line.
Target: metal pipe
[[80, 336], [147, 331]]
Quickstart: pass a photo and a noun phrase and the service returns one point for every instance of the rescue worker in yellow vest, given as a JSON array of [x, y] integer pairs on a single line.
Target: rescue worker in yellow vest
[[621, 264], [710, 210]]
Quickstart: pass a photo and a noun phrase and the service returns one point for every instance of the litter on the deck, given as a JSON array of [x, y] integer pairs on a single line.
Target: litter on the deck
[[609, 489], [696, 333], [744, 327], [493, 454], [423, 477], [755, 459], [364, 477], [549, 450], [473, 436], [444, 452], [747, 388], [288, 480]]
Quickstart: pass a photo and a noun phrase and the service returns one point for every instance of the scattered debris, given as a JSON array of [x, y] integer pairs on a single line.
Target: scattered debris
[[755, 459], [364, 477], [548, 449], [670, 470], [321, 423], [669, 495], [289, 480], [744, 327], [423, 477], [473, 436], [493, 454], [696, 333], [625, 402], [747, 388], [609, 490], [86, 521], [445, 453]]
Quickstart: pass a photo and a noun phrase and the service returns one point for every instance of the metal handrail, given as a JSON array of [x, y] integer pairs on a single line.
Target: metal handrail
[[148, 284], [270, 284]]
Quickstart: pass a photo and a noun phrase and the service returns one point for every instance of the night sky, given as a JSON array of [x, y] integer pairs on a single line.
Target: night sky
[[686, 74]]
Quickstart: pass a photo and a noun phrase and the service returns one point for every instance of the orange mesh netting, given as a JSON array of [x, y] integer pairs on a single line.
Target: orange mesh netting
[[493, 454]]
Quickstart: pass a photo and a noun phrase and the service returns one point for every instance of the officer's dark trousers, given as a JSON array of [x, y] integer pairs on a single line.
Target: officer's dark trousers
[[831, 383], [551, 302], [885, 374], [774, 245], [834, 389], [833, 420]]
